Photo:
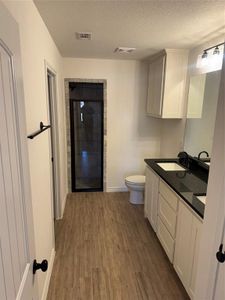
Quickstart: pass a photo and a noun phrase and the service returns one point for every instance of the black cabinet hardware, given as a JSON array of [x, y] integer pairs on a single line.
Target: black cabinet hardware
[[220, 255], [43, 266], [42, 128]]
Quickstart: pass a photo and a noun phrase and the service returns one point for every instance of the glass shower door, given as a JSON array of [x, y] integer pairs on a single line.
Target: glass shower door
[[87, 145]]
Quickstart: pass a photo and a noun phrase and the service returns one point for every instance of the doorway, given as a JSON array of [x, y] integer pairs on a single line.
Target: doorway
[[54, 145], [86, 135]]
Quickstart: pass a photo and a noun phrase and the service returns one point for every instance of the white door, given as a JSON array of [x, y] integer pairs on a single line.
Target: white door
[[16, 224], [210, 283], [219, 288]]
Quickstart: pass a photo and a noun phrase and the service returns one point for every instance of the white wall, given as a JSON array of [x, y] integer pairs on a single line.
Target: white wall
[[36, 47], [172, 133], [131, 135]]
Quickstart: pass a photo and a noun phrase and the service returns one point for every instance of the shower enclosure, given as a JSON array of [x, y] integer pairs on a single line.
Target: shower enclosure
[[86, 132]]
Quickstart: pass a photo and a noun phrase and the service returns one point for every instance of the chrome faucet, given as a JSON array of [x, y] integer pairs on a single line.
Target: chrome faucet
[[200, 153]]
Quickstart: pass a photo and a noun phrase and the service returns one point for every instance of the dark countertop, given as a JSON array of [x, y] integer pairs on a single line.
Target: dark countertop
[[185, 183]]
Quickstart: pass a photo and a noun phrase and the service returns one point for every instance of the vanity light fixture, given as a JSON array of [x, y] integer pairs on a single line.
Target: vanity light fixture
[[216, 50], [212, 57]]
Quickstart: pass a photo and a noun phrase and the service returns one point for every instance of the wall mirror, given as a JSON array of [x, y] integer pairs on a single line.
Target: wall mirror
[[201, 113]]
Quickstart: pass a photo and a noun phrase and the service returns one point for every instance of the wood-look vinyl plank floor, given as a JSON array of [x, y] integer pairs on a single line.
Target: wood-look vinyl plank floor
[[106, 250]]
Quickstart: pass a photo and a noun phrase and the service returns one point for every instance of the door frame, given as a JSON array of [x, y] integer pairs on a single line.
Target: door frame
[[52, 107], [213, 225], [67, 104]]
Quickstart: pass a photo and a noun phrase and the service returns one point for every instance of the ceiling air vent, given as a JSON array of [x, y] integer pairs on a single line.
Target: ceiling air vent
[[84, 35], [124, 50]]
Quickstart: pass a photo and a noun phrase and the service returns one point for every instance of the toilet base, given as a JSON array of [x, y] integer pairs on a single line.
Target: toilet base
[[136, 197]]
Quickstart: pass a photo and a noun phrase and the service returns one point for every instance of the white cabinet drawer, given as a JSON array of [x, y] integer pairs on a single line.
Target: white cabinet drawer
[[167, 215], [165, 239], [168, 195]]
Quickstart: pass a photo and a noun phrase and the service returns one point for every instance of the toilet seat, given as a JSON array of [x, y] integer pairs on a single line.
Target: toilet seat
[[136, 179]]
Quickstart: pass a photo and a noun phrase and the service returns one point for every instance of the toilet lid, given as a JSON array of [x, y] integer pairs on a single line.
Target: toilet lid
[[140, 179]]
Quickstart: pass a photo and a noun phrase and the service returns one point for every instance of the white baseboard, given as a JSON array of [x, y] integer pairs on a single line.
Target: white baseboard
[[48, 277], [116, 189]]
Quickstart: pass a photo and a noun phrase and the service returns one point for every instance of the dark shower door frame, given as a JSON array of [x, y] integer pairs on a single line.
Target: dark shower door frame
[[73, 148]]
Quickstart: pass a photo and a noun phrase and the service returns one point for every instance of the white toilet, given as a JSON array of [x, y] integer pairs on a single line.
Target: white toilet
[[136, 186]]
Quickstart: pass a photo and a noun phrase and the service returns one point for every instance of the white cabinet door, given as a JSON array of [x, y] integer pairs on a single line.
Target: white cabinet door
[[194, 252], [166, 84], [155, 86], [175, 83], [186, 247], [182, 246], [151, 197]]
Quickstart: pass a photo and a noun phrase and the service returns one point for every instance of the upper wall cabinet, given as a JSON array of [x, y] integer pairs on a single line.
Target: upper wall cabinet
[[166, 84]]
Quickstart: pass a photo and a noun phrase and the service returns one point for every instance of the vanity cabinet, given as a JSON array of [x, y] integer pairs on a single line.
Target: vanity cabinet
[[177, 227], [166, 83], [151, 197], [187, 247]]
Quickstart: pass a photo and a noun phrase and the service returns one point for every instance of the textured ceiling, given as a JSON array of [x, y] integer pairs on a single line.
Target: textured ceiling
[[145, 25]]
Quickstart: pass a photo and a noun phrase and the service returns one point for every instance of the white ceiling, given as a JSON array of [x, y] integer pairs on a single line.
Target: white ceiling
[[145, 25]]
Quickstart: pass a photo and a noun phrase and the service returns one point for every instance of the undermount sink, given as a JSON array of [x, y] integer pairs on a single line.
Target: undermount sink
[[170, 166], [202, 199]]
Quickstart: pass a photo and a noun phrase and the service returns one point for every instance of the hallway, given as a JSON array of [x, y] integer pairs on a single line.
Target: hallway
[[106, 250]]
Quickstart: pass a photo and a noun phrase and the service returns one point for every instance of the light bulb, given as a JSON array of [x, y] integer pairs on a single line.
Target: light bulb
[[204, 62], [205, 54], [216, 51]]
